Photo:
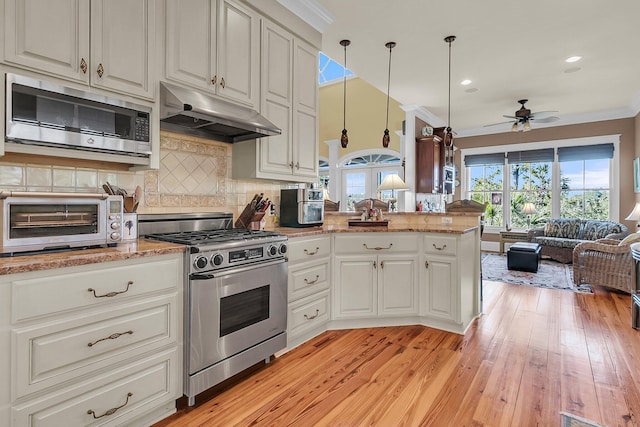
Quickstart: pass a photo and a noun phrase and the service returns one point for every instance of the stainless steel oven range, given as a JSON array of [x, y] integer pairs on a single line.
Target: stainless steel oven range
[[235, 294]]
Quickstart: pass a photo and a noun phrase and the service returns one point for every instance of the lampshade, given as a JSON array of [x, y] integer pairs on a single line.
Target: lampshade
[[526, 127], [393, 182], [325, 194], [528, 209], [514, 128], [635, 213]]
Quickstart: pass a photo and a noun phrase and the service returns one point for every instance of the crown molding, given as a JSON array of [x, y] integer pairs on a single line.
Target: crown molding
[[424, 114], [635, 105], [310, 11]]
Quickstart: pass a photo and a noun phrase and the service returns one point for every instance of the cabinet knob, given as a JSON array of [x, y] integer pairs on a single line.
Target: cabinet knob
[[222, 83], [375, 264], [83, 66], [291, 165], [100, 70], [214, 80], [297, 165], [381, 264], [426, 264]]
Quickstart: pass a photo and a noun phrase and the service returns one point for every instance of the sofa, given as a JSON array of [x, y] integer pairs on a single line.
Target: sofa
[[559, 236]]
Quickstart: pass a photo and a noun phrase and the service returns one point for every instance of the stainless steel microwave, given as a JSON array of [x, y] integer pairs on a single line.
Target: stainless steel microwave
[[33, 221], [43, 113]]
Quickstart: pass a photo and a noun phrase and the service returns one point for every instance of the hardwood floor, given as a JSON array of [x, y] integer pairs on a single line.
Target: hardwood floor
[[533, 353]]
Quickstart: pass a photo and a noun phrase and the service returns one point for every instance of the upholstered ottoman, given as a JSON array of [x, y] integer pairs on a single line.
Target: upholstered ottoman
[[524, 256]]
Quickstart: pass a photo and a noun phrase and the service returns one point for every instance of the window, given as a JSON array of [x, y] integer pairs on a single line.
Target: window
[[568, 179], [362, 174]]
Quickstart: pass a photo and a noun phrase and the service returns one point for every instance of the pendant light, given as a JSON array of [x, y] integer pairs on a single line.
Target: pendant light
[[344, 138], [448, 134], [385, 137]]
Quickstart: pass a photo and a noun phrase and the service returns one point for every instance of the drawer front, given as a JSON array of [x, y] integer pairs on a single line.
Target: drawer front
[[441, 245], [375, 243], [305, 281], [87, 286], [116, 397], [308, 313], [54, 353], [309, 248]]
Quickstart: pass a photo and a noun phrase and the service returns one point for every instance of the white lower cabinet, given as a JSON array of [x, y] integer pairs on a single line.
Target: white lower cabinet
[[308, 287], [375, 275], [97, 344], [450, 279]]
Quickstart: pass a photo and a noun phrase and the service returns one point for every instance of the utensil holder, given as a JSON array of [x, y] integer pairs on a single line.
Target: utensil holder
[[129, 226]]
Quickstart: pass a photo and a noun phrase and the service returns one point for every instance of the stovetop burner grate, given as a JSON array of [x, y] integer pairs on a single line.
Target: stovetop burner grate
[[212, 236]]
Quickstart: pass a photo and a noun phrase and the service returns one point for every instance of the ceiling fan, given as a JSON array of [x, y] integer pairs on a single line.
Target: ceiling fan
[[523, 118]]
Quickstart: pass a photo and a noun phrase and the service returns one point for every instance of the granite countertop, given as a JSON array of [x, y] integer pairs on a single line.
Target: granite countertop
[[311, 231], [138, 249]]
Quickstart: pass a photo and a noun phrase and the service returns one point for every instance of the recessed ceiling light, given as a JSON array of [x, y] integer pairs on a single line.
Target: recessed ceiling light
[[573, 59], [465, 82]]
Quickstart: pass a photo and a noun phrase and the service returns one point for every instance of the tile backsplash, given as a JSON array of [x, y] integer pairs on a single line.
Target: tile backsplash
[[194, 176]]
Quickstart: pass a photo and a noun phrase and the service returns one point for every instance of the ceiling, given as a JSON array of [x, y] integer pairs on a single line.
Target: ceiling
[[509, 49]]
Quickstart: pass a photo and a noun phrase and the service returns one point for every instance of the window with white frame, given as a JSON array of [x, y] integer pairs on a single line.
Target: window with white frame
[[568, 179], [362, 174]]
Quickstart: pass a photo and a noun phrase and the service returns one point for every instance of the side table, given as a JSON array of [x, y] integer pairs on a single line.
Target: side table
[[512, 237]]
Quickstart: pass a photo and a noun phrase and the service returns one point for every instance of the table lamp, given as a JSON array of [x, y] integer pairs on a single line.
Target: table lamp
[[393, 182], [528, 209], [635, 215]]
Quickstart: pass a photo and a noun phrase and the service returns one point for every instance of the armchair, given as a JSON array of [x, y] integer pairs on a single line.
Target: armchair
[[605, 262]]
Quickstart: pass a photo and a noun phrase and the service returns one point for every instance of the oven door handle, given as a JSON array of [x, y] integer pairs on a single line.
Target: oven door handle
[[197, 276]]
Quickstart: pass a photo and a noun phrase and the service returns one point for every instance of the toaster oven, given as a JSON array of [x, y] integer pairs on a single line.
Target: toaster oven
[[38, 221]]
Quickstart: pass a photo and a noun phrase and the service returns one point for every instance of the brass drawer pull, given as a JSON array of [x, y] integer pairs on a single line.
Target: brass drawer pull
[[110, 411], [314, 316], [377, 248], [111, 294], [110, 337], [311, 282], [312, 253], [441, 248]]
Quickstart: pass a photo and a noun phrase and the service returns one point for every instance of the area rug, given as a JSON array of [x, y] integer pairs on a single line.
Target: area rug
[[569, 420], [551, 274]]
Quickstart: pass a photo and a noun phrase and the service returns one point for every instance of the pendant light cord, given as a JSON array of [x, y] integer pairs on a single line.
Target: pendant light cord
[[389, 85], [344, 90], [449, 108]]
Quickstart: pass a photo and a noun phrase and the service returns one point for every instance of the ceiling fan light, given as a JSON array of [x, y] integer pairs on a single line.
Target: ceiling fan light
[[514, 128], [526, 127]]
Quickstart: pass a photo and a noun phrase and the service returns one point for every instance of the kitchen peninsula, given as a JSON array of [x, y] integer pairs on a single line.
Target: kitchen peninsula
[[418, 269]]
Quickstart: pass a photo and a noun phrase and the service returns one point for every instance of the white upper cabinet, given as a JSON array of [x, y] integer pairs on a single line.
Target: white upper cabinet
[[103, 43], [214, 45], [289, 99]]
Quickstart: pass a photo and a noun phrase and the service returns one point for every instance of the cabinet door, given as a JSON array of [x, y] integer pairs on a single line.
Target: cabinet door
[[427, 164], [123, 46], [305, 118], [48, 36], [397, 285], [355, 293], [441, 287], [191, 42], [238, 60], [277, 84]]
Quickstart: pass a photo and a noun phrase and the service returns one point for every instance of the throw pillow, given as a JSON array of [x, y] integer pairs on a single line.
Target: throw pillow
[[631, 238]]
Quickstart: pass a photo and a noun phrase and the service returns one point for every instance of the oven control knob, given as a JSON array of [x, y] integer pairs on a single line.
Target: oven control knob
[[217, 259], [115, 225], [115, 236], [282, 249], [200, 262], [272, 250]]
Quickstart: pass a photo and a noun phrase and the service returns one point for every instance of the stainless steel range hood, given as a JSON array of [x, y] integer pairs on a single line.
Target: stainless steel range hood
[[195, 113]]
